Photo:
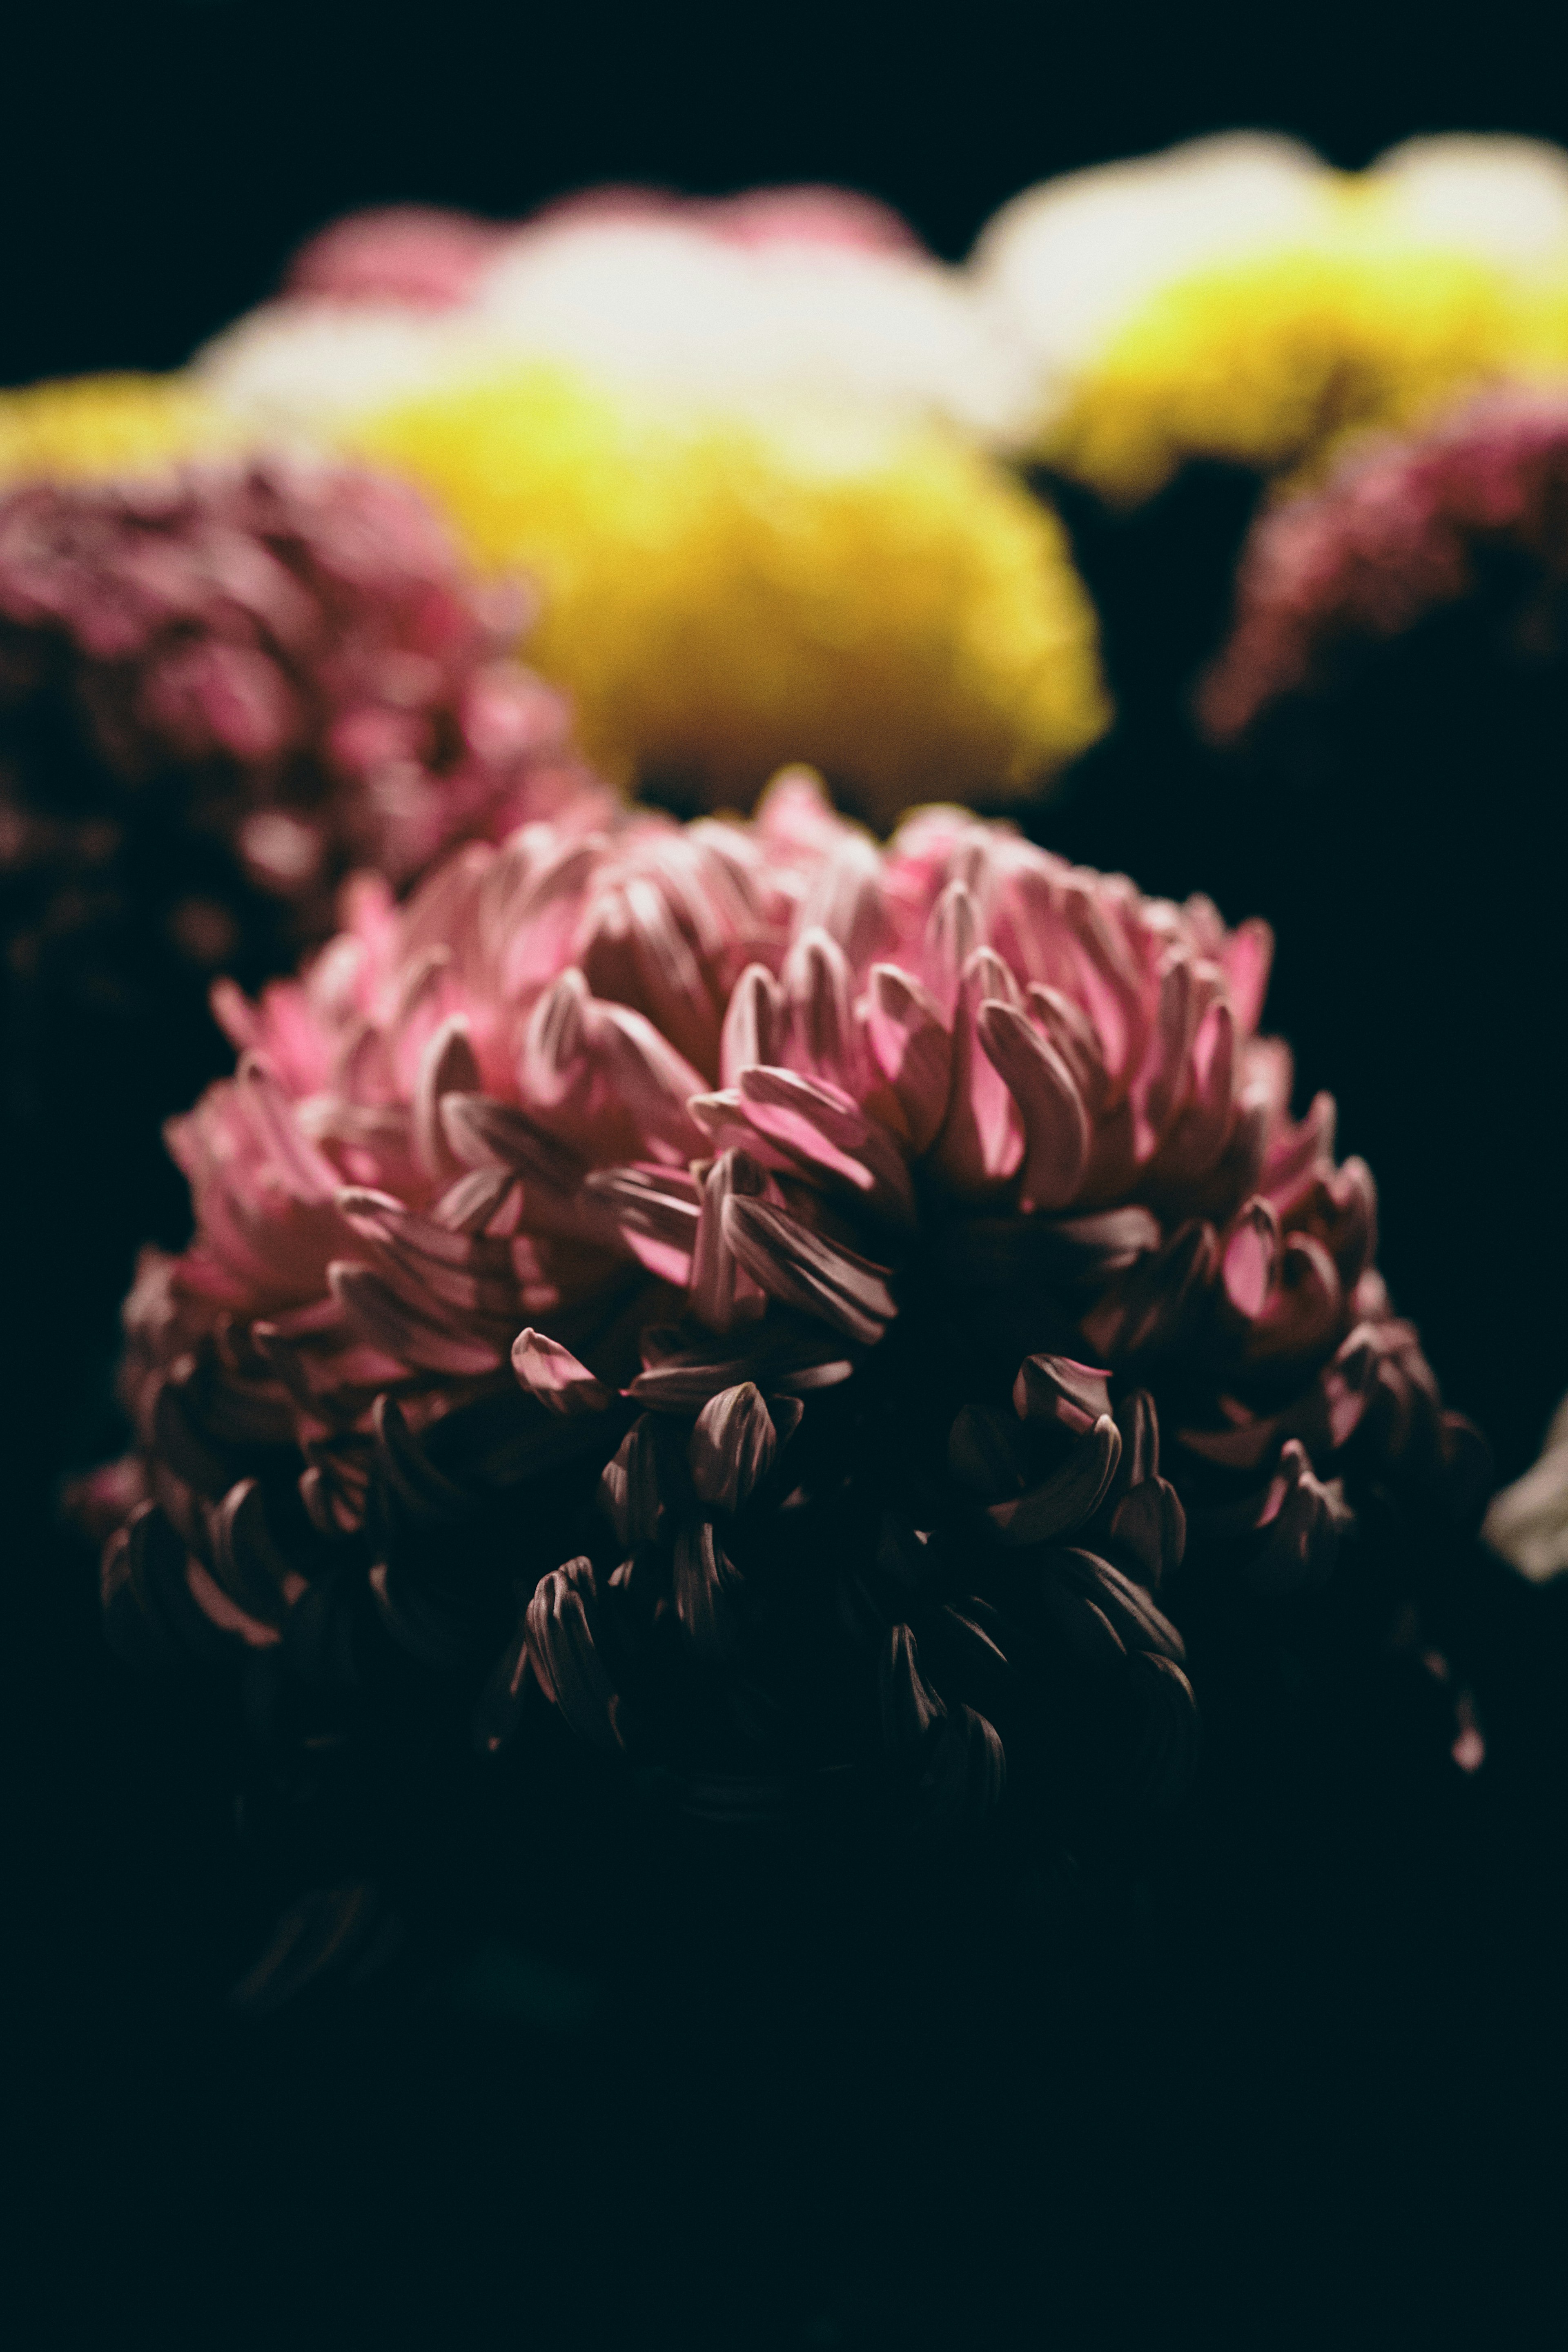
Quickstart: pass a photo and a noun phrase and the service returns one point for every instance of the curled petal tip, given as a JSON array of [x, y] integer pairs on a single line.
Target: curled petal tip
[[553, 1374], [733, 1446]]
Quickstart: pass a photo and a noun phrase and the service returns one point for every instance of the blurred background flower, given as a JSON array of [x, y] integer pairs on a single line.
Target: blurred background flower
[[721, 593], [1237, 300], [225, 686], [100, 426], [1394, 688], [1472, 513], [728, 441], [769, 300], [734, 445]]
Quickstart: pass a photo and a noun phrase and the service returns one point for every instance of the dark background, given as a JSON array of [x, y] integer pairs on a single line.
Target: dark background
[[1320, 2091], [161, 161]]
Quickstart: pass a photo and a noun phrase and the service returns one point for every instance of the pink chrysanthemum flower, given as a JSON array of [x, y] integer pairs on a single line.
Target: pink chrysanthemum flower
[[793, 1314], [222, 689], [1470, 510]]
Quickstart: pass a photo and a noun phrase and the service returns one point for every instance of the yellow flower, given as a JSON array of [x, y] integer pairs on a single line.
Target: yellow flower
[[1237, 300], [104, 425], [724, 593], [1269, 361]]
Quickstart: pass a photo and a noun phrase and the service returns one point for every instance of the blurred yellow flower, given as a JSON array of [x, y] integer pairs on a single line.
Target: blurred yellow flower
[[726, 592], [1237, 300], [81, 427], [1269, 361]]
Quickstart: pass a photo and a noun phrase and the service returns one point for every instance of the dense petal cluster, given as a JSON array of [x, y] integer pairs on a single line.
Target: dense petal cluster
[[1237, 300], [794, 1315], [223, 688], [720, 594], [1472, 508]]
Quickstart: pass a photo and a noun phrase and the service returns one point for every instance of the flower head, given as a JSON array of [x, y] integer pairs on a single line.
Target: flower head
[[1237, 300], [221, 688], [1470, 510], [795, 1315], [722, 593]]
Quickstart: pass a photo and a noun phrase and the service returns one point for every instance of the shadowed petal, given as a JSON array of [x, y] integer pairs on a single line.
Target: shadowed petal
[[908, 1705], [562, 1646], [488, 1134], [630, 1485], [1250, 1259], [733, 1446], [553, 1374], [389, 1323], [806, 1270], [1054, 1387], [655, 1212], [707, 1593], [1063, 1502], [724, 1295]]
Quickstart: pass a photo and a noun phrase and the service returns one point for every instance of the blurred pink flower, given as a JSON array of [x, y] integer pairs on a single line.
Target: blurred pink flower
[[422, 255], [785, 215], [1397, 532], [786, 1299], [222, 688]]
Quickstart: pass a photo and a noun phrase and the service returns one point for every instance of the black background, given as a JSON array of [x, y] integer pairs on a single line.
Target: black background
[[1328, 2108], [159, 161]]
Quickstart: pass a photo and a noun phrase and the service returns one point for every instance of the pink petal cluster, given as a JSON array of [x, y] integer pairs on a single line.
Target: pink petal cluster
[[779, 1306], [422, 255], [808, 214], [430, 258], [242, 680], [1397, 533]]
